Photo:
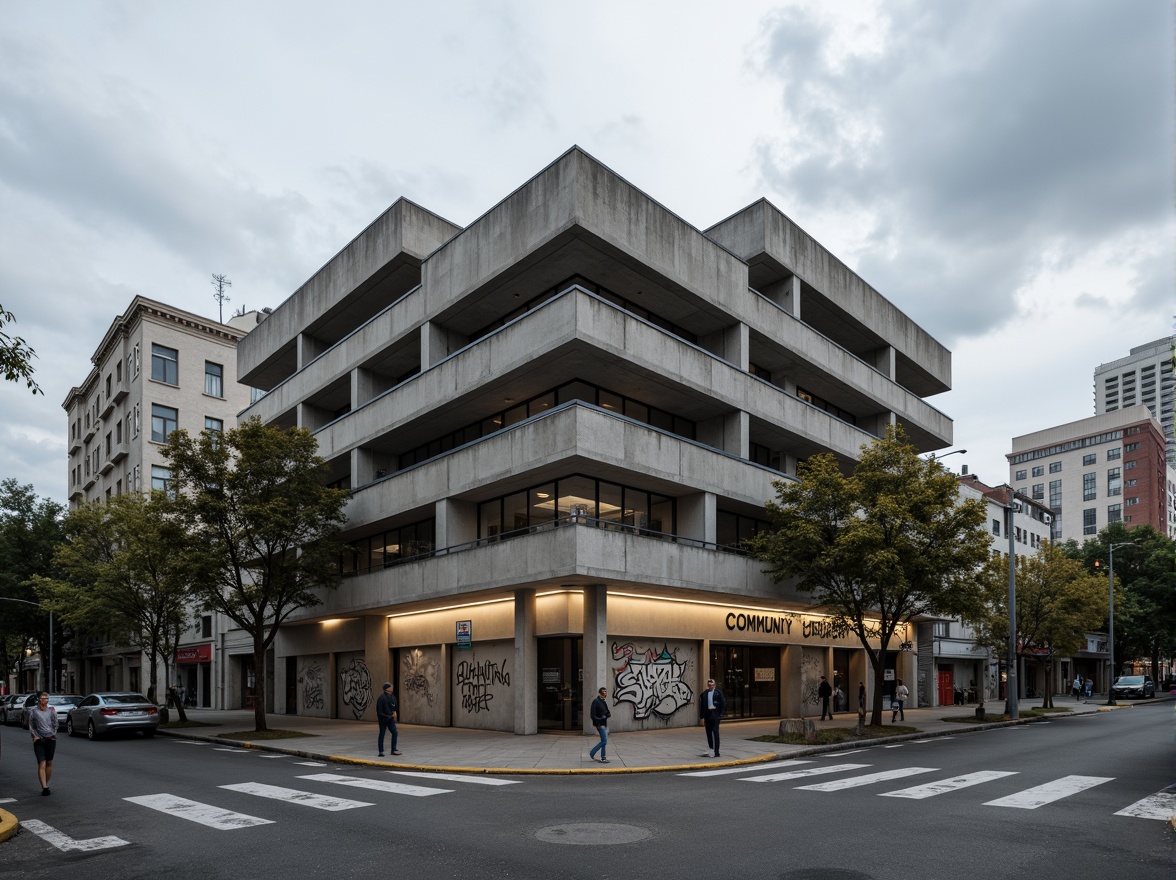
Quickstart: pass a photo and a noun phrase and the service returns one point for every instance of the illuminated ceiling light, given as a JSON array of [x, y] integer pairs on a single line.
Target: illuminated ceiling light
[[450, 607]]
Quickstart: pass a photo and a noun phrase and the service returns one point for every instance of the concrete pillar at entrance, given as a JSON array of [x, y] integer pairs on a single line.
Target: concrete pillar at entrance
[[526, 717], [377, 657], [332, 677], [791, 676], [595, 648]]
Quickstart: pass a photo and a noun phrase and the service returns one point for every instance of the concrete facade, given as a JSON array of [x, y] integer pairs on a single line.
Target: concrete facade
[[155, 362], [557, 425]]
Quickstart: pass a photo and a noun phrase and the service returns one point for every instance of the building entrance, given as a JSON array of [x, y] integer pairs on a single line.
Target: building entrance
[[561, 675], [749, 676]]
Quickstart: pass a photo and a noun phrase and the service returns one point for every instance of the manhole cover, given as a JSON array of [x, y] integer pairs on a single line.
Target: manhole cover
[[592, 834]]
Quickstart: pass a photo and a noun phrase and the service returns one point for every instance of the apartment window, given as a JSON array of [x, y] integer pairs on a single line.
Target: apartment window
[[1039, 491], [939, 629], [206, 627], [1128, 465], [1114, 481], [138, 483], [118, 431], [164, 420], [1089, 487], [996, 528], [1055, 494], [133, 362], [1039, 470], [216, 426], [1090, 521], [138, 427], [1055, 467], [1114, 513], [1130, 484], [1113, 454], [1088, 460], [165, 364], [214, 379], [1021, 475], [161, 478], [1131, 502], [1131, 447], [118, 372]]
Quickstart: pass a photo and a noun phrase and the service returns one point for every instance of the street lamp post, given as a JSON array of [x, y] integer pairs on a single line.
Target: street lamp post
[[49, 668], [1011, 708], [1111, 620]]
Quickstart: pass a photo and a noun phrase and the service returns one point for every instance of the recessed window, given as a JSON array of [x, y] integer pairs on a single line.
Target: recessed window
[[164, 420], [165, 364], [1055, 467], [160, 478], [214, 379]]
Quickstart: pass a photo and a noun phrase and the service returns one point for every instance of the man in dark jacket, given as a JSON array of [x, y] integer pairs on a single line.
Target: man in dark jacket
[[599, 712], [825, 691], [387, 709], [711, 706]]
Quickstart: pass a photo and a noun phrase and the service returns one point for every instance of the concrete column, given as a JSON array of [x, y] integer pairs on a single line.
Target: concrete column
[[438, 343], [729, 432], [737, 345], [308, 348], [526, 720], [377, 657], [331, 685], [596, 653], [698, 516], [456, 522], [791, 670], [885, 360], [363, 387]]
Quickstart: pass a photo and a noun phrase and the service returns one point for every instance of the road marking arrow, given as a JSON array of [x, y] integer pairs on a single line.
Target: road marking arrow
[[67, 844]]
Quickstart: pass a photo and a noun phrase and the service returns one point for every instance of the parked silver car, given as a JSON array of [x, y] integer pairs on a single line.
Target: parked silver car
[[10, 707], [99, 714], [1134, 686], [62, 703]]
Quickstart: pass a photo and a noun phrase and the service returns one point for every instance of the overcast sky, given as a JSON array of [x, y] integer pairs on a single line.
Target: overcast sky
[[1001, 170]]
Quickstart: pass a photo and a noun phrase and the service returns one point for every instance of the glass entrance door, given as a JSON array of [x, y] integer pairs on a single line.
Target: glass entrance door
[[749, 677], [561, 673]]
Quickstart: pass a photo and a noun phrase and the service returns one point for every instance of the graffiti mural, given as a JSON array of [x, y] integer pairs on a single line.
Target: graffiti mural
[[420, 675], [474, 681], [310, 677], [355, 685], [811, 671], [653, 681]]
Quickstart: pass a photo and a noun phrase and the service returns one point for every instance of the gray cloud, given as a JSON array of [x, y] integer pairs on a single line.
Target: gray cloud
[[982, 135]]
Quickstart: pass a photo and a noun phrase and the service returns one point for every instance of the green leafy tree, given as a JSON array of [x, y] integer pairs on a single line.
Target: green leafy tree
[[1058, 603], [1145, 592], [16, 358], [124, 573], [890, 541], [266, 526], [30, 530]]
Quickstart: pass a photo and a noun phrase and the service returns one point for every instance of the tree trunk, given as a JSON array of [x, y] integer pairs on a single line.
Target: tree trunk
[[259, 681], [1047, 688], [876, 710]]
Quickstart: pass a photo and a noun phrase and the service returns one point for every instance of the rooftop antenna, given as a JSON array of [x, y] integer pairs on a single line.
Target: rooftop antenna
[[220, 282]]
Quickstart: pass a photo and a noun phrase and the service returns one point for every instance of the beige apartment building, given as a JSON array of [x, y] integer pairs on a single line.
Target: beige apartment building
[[558, 425], [157, 368]]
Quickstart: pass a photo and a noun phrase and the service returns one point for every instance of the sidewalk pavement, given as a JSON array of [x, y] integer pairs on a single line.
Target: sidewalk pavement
[[461, 750]]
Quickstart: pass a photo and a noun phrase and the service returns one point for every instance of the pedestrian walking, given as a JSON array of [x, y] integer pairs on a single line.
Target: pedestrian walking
[[1076, 687], [1089, 687], [43, 727], [711, 706], [899, 701], [387, 710], [600, 713], [825, 691]]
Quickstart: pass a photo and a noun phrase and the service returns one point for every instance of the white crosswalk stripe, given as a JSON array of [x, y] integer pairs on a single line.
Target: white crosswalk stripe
[[868, 779], [758, 767], [945, 785], [458, 777], [293, 796], [1161, 805], [65, 843], [800, 774], [1040, 795], [310, 763], [377, 784], [194, 811]]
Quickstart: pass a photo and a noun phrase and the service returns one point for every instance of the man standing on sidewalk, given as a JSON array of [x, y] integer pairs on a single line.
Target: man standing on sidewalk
[[711, 706], [825, 691], [387, 709]]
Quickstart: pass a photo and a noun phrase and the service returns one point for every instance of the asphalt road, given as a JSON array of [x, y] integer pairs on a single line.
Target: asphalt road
[[1037, 800]]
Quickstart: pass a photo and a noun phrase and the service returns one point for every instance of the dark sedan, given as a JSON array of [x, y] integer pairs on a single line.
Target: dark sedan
[[99, 714], [1130, 686]]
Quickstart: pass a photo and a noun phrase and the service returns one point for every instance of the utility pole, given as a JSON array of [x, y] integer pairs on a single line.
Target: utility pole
[[220, 282]]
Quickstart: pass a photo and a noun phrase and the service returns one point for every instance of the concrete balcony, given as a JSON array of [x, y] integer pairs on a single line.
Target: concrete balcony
[[107, 467], [118, 452]]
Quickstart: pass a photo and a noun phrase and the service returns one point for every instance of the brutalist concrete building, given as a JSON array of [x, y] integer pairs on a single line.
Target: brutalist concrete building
[[558, 425]]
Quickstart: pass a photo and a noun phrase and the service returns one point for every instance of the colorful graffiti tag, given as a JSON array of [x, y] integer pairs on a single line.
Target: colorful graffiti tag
[[355, 683], [653, 681]]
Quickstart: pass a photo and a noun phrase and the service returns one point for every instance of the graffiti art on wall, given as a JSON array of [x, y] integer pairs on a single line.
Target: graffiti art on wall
[[810, 677], [310, 676], [355, 685], [474, 681], [420, 675], [653, 681]]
